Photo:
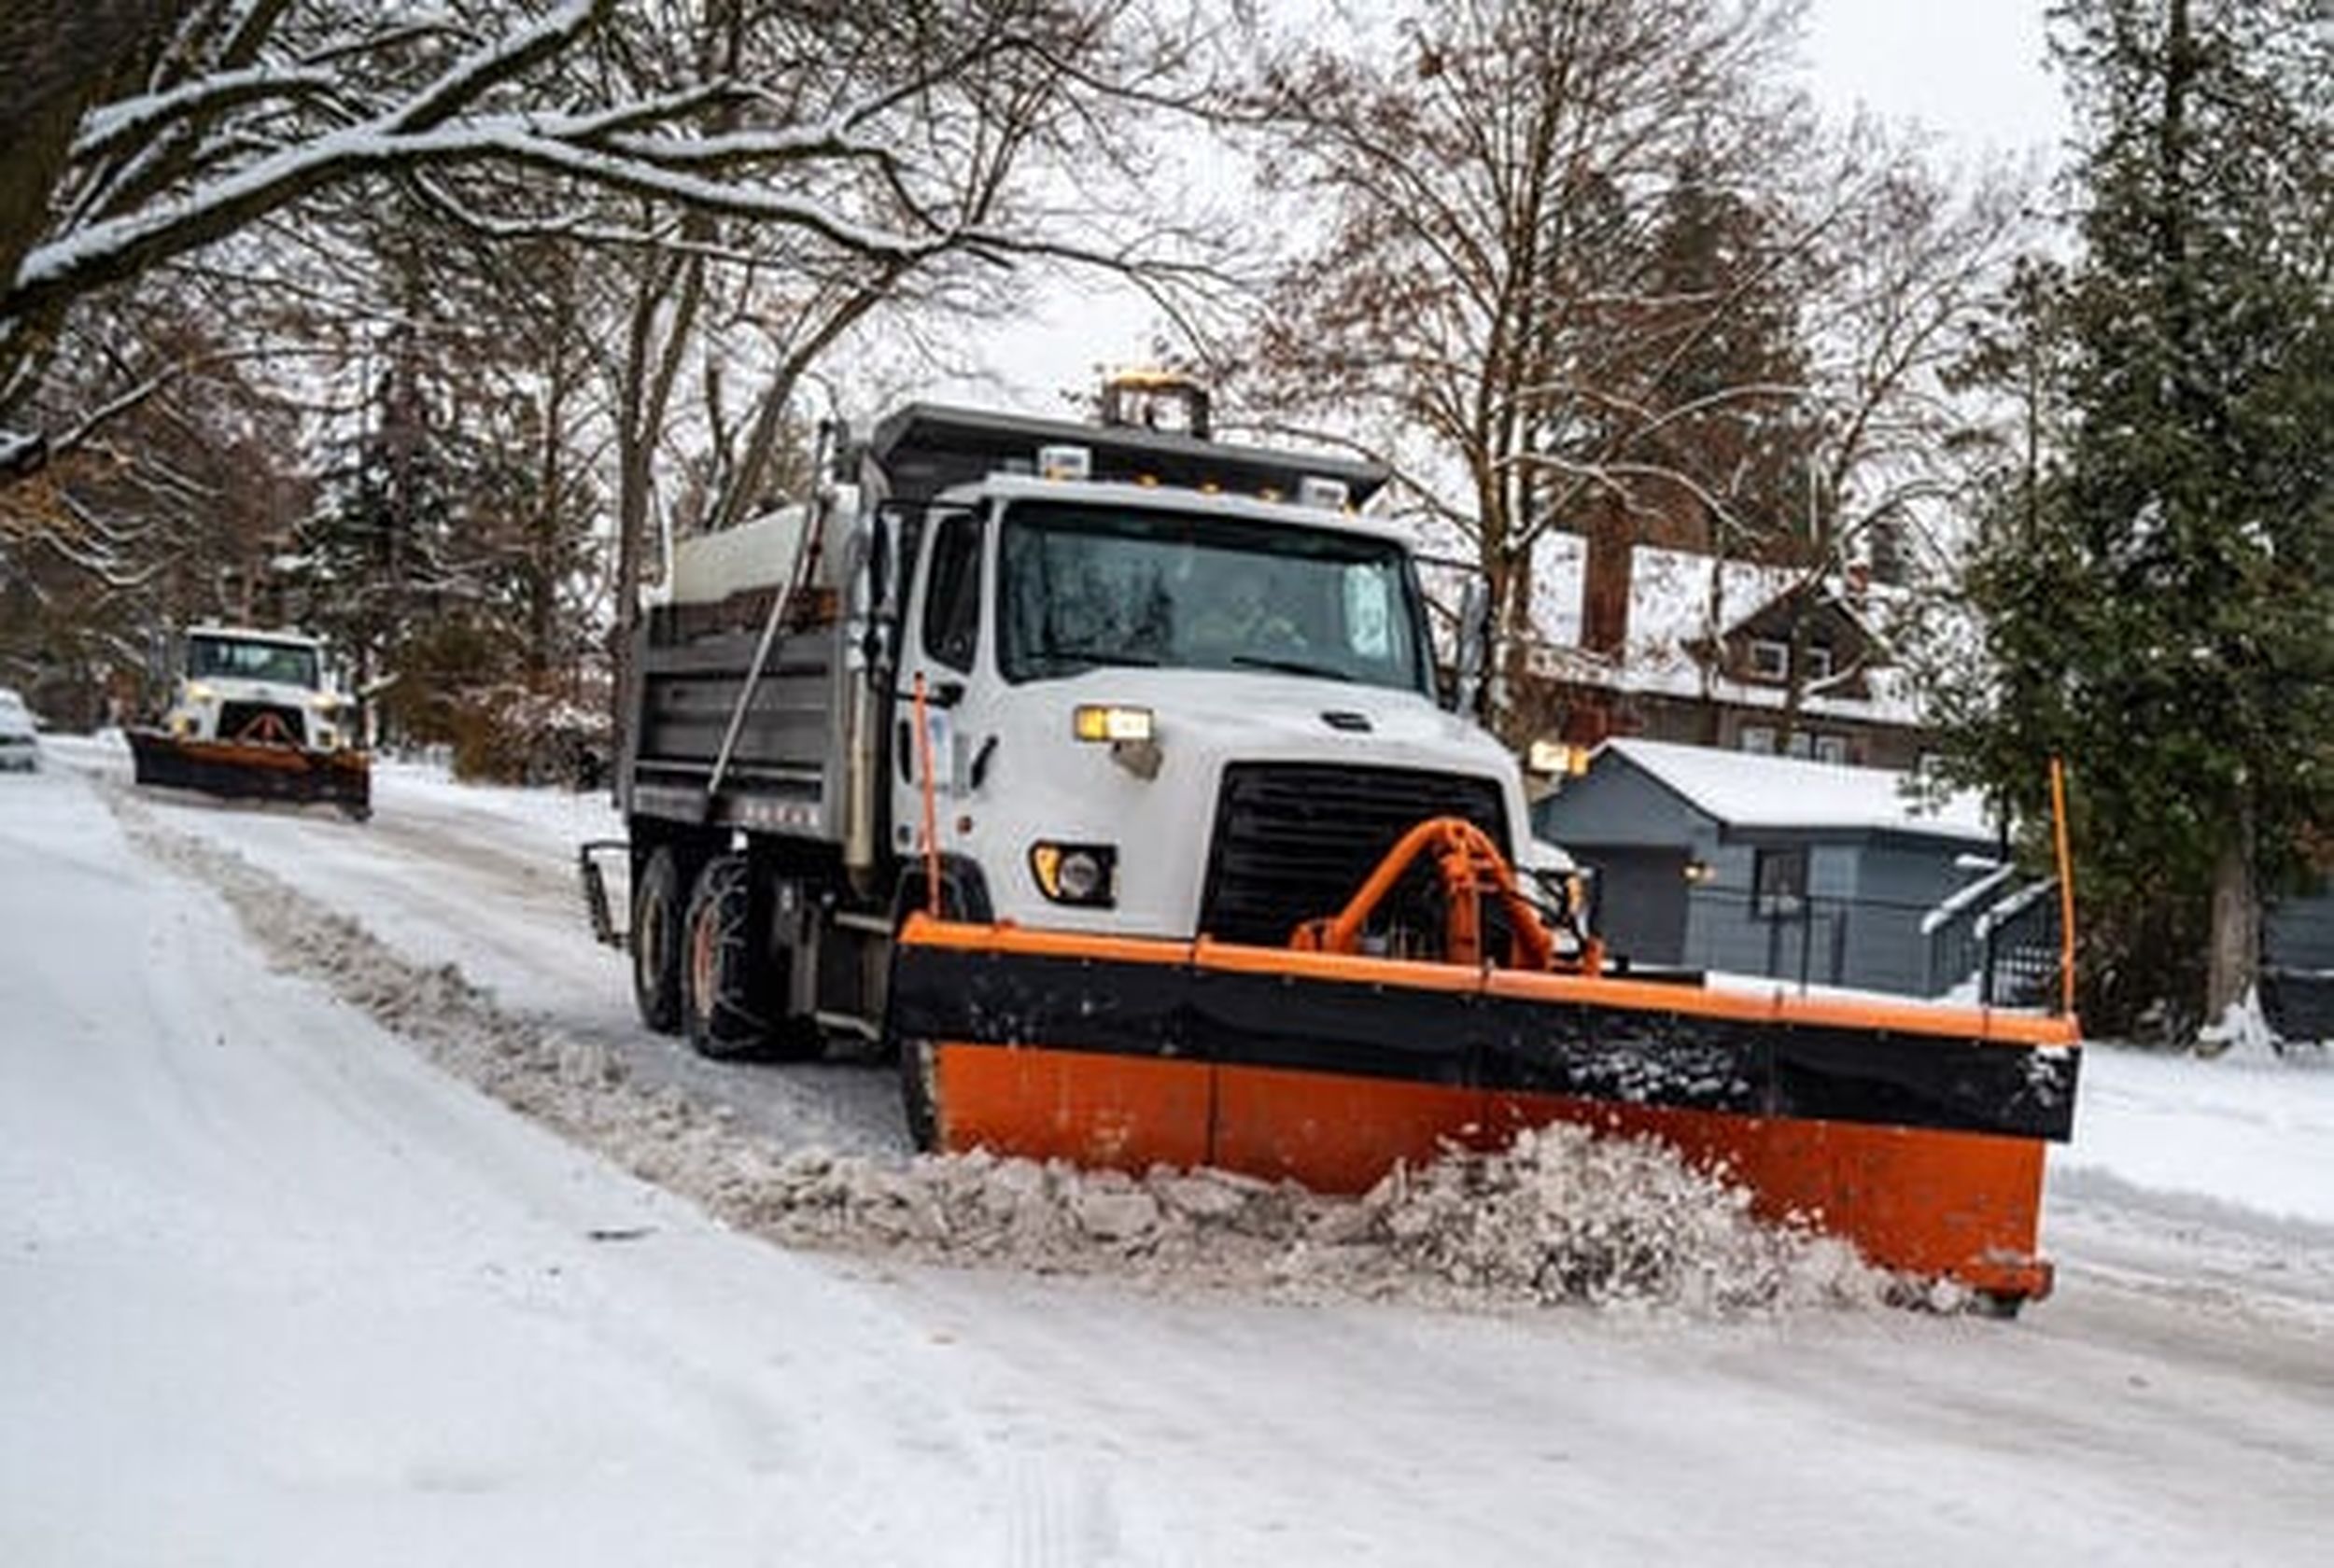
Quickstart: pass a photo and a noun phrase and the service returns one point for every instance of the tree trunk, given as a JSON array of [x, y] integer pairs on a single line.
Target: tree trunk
[[643, 395], [2234, 961]]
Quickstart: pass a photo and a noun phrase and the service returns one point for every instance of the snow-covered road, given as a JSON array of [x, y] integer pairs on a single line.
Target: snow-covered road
[[274, 1289]]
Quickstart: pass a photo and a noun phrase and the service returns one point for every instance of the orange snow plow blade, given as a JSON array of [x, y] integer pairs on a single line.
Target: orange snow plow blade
[[1914, 1131], [254, 770]]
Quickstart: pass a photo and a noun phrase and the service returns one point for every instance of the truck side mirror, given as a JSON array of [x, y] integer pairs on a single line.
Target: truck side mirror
[[1474, 645], [884, 542], [875, 592]]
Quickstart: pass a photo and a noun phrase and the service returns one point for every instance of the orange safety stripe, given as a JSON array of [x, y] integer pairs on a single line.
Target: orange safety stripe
[[1903, 1017]]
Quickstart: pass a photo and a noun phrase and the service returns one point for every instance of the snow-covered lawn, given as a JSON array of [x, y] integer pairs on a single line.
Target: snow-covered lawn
[[279, 1287]]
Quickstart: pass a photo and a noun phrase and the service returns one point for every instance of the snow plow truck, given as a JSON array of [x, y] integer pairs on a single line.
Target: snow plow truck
[[254, 715], [1105, 774]]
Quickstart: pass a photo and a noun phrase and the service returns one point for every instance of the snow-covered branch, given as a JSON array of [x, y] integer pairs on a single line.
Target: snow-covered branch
[[245, 170], [133, 119]]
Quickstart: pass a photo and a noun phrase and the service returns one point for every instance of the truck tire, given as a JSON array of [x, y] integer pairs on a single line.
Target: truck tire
[[726, 983], [655, 942], [963, 897], [919, 1096]]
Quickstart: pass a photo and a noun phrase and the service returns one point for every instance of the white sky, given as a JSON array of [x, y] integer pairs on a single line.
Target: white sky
[[1969, 70]]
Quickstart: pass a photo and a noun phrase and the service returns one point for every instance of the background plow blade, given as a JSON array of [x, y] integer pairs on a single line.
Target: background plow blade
[[240, 771], [1916, 1132]]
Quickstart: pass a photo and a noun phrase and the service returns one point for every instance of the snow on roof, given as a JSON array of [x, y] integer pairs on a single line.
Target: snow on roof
[[1744, 789], [1670, 609]]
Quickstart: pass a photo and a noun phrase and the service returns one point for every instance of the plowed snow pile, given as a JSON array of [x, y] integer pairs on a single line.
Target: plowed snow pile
[[1560, 1217]]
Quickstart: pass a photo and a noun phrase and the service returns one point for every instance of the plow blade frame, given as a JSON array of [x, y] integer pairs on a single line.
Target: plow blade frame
[[246, 770], [1913, 1130]]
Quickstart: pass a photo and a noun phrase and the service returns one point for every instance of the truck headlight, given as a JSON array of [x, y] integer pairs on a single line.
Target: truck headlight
[[1111, 723], [1076, 873], [198, 692], [1131, 734]]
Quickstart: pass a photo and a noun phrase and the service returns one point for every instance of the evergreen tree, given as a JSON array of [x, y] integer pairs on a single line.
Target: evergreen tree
[[453, 563], [2156, 572]]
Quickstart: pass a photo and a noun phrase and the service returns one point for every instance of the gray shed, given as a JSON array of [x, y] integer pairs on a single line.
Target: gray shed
[[2297, 966], [1807, 872]]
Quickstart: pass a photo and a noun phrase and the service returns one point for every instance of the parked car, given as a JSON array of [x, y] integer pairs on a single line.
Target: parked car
[[20, 738]]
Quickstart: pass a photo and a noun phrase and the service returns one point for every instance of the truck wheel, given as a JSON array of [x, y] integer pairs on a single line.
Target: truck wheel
[[656, 942], [920, 1086], [724, 983], [919, 1094]]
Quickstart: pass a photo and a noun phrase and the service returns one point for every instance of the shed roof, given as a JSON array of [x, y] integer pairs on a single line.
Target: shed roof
[[1745, 790]]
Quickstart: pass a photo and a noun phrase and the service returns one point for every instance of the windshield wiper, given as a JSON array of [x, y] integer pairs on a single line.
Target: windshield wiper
[[1289, 667], [1096, 656]]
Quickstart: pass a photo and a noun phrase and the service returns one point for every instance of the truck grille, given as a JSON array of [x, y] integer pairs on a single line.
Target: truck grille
[[1294, 840], [238, 721]]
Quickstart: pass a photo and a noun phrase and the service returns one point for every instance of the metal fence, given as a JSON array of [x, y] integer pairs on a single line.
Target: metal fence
[[2004, 952]]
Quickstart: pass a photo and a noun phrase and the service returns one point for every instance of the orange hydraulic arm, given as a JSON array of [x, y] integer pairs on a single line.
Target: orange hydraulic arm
[[1469, 867]]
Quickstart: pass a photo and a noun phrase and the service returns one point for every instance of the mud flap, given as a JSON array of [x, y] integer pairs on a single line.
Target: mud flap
[[1914, 1131], [594, 883], [237, 770]]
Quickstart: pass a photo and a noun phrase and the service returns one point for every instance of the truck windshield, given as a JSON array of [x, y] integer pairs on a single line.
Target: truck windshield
[[1081, 587], [236, 659]]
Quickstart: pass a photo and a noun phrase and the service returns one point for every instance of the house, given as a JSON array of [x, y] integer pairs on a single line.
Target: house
[[1810, 871], [1675, 645]]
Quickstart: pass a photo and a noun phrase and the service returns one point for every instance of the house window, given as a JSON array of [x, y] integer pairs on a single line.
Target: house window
[[1800, 745], [1778, 883], [1830, 748], [1758, 738], [1819, 662], [1770, 660]]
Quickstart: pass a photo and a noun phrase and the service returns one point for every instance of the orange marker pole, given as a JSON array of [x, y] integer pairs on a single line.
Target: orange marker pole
[[2066, 886], [932, 812]]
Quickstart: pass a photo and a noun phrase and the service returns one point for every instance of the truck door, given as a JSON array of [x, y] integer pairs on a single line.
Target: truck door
[[942, 640]]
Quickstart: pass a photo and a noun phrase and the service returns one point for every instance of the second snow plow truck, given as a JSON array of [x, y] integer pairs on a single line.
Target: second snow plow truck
[[254, 715], [1100, 771]]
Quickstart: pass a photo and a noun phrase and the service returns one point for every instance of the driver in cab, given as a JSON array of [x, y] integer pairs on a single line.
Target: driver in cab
[[1240, 619]]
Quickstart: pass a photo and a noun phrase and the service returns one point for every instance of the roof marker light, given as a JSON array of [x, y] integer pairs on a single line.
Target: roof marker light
[[1314, 490], [1065, 462]]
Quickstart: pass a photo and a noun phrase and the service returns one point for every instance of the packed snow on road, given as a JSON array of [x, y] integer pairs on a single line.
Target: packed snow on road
[[347, 1215]]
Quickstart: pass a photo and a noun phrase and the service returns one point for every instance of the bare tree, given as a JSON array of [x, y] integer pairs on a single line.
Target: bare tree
[[1496, 178], [1901, 276], [218, 115]]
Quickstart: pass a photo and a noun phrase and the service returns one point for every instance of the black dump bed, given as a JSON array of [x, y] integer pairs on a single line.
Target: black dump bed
[[782, 772]]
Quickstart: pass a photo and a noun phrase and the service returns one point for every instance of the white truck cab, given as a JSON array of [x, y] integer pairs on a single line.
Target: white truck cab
[[241, 683], [1145, 703]]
